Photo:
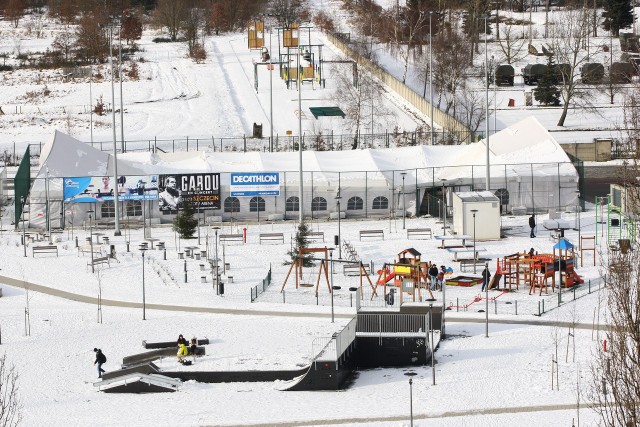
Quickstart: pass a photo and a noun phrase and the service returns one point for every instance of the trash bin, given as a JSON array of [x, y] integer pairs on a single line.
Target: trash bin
[[220, 288], [112, 251], [512, 102], [389, 298]]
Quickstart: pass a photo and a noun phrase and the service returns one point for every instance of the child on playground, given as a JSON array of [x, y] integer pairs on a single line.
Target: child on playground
[[443, 270], [183, 351]]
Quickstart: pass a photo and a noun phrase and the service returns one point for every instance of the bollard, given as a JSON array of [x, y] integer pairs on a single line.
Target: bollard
[[517, 308], [127, 246], [185, 265], [589, 285], [165, 254], [185, 277], [559, 302], [495, 306], [283, 297], [76, 241], [317, 303], [539, 314], [542, 306], [351, 300]]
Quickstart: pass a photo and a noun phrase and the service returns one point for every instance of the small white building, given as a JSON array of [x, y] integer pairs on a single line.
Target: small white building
[[487, 215]]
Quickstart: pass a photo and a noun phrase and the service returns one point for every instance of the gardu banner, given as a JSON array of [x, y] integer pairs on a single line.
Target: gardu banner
[[202, 190]]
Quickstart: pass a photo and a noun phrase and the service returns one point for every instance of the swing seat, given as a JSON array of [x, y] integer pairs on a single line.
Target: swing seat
[[306, 285]]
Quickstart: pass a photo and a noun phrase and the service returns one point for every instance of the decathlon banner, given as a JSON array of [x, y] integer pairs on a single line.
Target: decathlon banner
[[253, 184]]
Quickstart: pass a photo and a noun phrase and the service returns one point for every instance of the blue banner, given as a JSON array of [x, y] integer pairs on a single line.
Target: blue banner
[[101, 188], [252, 184]]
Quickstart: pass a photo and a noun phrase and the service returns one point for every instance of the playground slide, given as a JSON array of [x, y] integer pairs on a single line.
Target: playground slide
[[385, 279], [577, 278]]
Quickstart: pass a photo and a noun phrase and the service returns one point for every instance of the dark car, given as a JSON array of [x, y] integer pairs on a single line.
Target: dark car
[[592, 73], [532, 73], [504, 75]]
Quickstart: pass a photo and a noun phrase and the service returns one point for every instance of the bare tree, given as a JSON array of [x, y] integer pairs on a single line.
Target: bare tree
[[14, 11], [567, 40], [406, 26], [615, 389], [10, 405], [171, 14], [511, 45], [64, 43], [362, 103], [450, 63], [191, 25], [91, 37], [286, 11], [470, 108]]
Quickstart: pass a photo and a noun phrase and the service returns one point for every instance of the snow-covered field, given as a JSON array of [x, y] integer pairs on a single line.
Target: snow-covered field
[[500, 380]]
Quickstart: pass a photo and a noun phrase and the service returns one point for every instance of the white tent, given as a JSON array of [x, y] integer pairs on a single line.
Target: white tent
[[527, 164]]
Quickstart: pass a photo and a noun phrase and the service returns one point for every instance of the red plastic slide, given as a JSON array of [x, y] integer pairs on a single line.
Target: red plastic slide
[[386, 278], [577, 278]]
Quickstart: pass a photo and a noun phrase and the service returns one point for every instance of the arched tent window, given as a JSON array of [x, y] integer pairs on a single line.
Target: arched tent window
[[134, 208], [380, 202], [256, 204], [293, 204], [355, 204], [107, 209], [231, 204], [318, 204]]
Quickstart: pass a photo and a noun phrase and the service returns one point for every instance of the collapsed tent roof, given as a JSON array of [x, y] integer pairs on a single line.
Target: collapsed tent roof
[[516, 147]]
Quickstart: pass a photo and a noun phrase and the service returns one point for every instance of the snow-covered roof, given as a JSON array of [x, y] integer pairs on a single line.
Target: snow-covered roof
[[524, 143]]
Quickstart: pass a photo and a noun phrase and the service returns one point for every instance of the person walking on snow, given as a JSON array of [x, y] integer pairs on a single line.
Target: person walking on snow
[[532, 224], [100, 360], [486, 275]]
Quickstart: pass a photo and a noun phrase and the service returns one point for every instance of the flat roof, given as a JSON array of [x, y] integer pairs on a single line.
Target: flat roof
[[477, 196]]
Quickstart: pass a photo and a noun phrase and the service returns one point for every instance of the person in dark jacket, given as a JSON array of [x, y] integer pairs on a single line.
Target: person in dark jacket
[[100, 360], [486, 275], [532, 224], [433, 273], [182, 340]]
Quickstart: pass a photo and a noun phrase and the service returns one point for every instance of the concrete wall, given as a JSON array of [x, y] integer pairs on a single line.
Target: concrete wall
[[597, 151], [440, 118]]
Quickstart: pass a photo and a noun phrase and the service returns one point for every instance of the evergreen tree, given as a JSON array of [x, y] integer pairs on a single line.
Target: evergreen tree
[[547, 92], [302, 241], [186, 222], [618, 14]]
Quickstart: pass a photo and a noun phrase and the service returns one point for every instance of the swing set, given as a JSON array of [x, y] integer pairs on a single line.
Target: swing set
[[298, 262]]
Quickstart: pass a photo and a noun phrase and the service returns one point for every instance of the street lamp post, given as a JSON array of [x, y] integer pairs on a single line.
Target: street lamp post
[[404, 206], [116, 202], [444, 207], [486, 72], [430, 77], [411, 375], [332, 288], [486, 306], [24, 226], [90, 211], [299, 78], [144, 305], [475, 258], [216, 274], [338, 197]]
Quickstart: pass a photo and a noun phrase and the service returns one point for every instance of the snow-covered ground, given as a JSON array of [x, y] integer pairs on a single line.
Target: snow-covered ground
[[500, 380]]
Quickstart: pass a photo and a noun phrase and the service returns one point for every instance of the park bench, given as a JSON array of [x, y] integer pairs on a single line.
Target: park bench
[[231, 238], [45, 249], [466, 250], [466, 264], [419, 232], [314, 236], [271, 237], [87, 249], [371, 233], [462, 237], [99, 260], [354, 269]]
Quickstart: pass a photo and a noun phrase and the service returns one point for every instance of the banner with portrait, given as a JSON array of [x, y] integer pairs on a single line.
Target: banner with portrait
[[101, 188], [201, 190]]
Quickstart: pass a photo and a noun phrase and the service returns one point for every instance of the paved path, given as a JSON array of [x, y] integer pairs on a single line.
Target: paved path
[[168, 307], [448, 414]]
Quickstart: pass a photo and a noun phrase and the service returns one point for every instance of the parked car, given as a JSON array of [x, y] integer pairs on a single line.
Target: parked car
[[621, 72]]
